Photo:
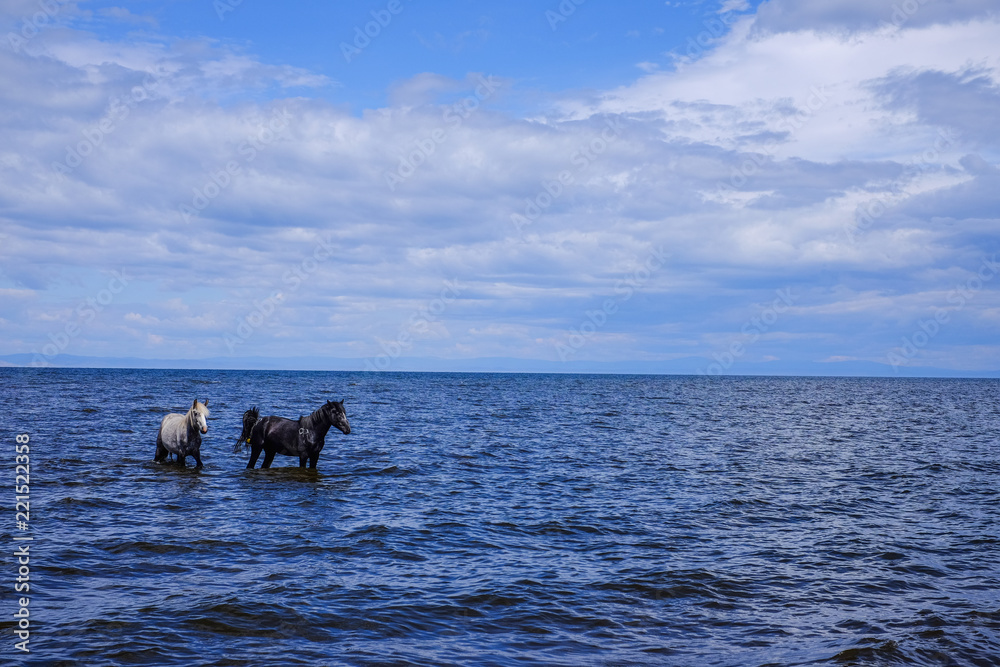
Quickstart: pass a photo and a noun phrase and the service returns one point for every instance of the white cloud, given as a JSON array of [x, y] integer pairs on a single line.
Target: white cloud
[[843, 16], [747, 164], [734, 6], [821, 96]]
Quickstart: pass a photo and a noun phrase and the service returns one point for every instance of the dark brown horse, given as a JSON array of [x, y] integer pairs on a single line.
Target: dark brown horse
[[303, 438]]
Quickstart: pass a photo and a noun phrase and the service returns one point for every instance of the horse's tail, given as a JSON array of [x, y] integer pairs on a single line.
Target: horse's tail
[[250, 419]]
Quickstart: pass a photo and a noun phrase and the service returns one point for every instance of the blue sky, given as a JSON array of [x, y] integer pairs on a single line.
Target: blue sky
[[731, 181]]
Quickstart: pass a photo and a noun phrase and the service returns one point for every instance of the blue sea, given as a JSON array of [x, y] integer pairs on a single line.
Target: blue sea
[[505, 519]]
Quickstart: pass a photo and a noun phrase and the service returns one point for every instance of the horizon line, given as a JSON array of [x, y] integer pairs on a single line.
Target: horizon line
[[685, 366]]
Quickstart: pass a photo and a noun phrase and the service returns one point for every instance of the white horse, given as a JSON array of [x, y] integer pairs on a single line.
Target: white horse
[[181, 434]]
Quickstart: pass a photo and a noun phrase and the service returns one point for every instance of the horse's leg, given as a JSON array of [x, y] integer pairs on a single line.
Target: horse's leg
[[302, 461], [313, 459], [161, 451], [197, 458], [254, 453], [268, 457], [181, 460]]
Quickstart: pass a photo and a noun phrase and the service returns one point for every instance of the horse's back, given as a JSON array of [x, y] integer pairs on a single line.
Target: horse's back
[[171, 421], [280, 426], [281, 434]]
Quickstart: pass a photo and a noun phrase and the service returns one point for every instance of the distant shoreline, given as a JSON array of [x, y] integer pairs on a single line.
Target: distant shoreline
[[689, 366]]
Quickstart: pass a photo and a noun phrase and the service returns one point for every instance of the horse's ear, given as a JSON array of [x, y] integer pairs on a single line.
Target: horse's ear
[[342, 402], [206, 403], [194, 404]]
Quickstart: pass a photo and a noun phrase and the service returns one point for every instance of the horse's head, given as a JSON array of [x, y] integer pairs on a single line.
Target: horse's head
[[337, 416], [250, 419], [198, 414]]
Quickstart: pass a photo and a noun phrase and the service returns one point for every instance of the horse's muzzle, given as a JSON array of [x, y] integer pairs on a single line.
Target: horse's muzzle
[[204, 430]]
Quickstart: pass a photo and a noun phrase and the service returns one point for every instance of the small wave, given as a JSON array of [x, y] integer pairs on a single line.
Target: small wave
[[130, 546], [100, 503], [376, 529], [883, 650]]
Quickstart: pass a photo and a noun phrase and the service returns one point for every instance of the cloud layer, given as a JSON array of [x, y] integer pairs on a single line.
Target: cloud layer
[[830, 154]]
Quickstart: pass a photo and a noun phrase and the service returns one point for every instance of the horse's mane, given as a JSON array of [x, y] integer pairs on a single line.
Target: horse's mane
[[250, 419]]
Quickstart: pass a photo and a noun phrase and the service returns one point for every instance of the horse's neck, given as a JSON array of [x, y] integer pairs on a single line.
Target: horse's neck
[[316, 423], [192, 420]]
